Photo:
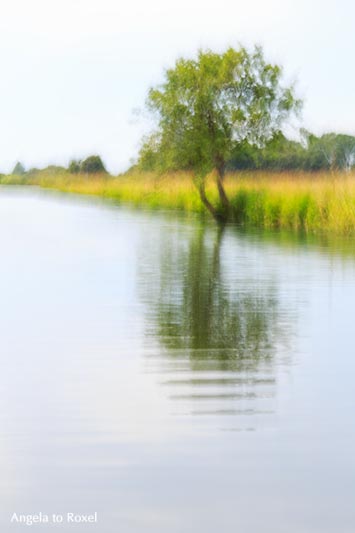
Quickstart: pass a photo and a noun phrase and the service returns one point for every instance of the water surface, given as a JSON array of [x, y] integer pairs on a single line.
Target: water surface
[[170, 376]]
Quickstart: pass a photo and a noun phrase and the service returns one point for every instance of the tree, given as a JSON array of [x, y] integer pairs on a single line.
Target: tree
[[19, 169], [346, 151], [74, 166], [207, 106], [331, 151], [93, 165]]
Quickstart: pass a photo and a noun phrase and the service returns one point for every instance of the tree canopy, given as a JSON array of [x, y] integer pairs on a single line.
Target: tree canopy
[[93, 165], [19, 169], [208, 106]]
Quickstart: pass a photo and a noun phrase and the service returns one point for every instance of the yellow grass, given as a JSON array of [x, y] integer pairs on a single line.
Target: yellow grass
[[311, 202]]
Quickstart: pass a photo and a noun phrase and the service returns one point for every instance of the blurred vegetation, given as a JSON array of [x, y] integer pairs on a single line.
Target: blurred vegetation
[[19, 169], [74, 166], [211, 104], [307, 186], [219, 146], [92, 165], [315, 202], [331, 151]]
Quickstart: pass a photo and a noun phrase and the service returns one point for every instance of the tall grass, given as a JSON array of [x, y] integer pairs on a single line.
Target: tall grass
[[311, 202]]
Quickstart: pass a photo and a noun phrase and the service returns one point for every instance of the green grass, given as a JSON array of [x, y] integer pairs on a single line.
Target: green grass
[[313, 203]]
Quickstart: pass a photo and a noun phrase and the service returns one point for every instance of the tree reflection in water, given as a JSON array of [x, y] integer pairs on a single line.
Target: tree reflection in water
[[219, 330]]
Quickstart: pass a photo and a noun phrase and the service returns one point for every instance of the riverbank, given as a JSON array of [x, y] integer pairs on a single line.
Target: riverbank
[[298, 201]]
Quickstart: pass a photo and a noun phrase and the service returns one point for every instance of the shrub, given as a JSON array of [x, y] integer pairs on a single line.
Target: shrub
[[93, 165]]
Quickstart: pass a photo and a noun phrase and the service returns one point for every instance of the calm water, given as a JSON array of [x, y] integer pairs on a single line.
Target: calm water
[[172, 377]]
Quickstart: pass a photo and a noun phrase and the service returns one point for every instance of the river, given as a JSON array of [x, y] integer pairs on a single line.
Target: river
[[170, 376]]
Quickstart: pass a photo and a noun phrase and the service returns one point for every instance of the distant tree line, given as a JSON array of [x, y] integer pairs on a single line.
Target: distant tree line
[[91, 165], [331, 151]]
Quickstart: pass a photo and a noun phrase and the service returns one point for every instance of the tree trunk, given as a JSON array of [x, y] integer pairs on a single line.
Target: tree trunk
[[221, 190], [217, 216]]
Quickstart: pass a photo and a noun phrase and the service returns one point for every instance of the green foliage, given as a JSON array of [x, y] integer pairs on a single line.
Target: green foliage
[[93, 165], [74, 166], [330, 151], [209, 106], [33, 171], [279, 153], [150, 155], [19, 169], [226, 111], [51, 170]]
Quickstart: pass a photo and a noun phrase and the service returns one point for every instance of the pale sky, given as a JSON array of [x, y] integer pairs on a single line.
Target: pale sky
[[73, 71]]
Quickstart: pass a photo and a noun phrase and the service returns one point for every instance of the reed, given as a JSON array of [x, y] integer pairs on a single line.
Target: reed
[[297, 201]]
